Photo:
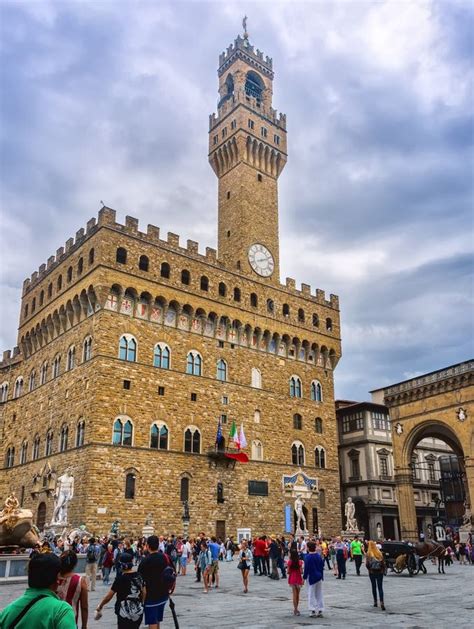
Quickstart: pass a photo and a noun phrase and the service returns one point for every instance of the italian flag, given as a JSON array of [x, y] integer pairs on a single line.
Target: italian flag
[[234, 435]]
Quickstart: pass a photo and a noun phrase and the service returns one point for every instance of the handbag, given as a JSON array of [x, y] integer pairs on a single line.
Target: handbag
[[242, 565]]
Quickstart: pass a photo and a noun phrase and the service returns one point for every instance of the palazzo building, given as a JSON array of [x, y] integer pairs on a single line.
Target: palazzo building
[[132, 348]]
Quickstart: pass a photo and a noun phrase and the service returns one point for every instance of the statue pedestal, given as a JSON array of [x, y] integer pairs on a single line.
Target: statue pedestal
[[352, 534], [301, 533], [147, 530]]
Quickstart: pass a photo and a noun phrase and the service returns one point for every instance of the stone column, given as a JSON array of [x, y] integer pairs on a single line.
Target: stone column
[[406, 504]]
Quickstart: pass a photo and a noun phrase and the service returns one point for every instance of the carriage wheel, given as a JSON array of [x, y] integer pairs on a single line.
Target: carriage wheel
[[411, 566]]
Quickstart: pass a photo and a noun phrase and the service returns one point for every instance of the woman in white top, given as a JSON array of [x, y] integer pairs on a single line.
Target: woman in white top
[[245, 563]]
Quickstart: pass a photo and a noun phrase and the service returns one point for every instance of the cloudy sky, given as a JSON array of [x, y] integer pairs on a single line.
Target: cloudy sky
[[109, 100]]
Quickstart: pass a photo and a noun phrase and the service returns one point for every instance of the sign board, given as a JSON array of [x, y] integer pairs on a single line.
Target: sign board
[[243, 534]]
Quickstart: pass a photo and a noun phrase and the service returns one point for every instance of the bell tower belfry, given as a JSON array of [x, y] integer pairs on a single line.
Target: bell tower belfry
[[247, 151]]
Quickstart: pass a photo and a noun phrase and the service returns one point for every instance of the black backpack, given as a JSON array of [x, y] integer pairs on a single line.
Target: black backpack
[[91, 554]]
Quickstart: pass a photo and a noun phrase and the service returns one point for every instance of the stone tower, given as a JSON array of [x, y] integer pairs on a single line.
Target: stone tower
[[247, 151]]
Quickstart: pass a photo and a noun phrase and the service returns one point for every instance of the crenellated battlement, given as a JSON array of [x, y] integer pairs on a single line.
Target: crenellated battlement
[[10, 357], [243, 49], [107, 218]]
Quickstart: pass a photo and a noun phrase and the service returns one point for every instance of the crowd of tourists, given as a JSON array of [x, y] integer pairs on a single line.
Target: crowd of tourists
[[141, 574]]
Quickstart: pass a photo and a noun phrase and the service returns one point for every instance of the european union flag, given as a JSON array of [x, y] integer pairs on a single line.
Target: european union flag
[[219, 435]]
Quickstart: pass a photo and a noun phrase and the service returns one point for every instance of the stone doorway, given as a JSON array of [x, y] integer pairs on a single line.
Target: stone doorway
[[220, 530], [41, 516]]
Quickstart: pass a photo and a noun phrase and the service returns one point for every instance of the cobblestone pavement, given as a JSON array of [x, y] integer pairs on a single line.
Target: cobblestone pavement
[[432, 600]]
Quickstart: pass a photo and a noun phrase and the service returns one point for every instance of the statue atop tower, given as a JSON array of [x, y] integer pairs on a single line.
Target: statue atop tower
[[247, 151]]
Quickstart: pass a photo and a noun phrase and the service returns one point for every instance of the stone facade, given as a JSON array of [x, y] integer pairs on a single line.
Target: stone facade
[[93, 322], [438, 404], [367, 471]]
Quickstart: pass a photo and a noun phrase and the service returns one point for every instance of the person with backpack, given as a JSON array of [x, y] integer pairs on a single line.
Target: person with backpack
[[159, 578], [128, 587], [92, 557], [376, 566], [40, 606]]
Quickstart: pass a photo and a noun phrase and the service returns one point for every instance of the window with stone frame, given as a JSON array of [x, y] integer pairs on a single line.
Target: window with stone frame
[[379, 420], [4, 392], [121, 255], [296, 389], [192, 440], [159, 434], [161, 356], [32, 381], [297, 453], [297, 421], [204, 283], [71, 358], [36, 447], [49, 443], [80, 433], [318, 425], [257, 450], [87, 349], [383, 463], [184, 489], [63, 438], [353, 422], [56, 367], [10, 457], [256, 378], [18, 390], [222, 289], [122, 432], [143, 263], [316, 391], [320, 457], [222, 370], [130, 482], [165, 270], [194, 363], [354, 464], [128, 348], [24, 452]]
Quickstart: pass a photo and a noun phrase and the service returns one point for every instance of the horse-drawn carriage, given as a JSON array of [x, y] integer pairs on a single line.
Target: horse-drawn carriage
[[401, 555]]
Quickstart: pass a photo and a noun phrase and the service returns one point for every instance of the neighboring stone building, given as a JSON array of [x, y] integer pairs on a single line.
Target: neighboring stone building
[[132, 347], [367, 470], [439, 404]]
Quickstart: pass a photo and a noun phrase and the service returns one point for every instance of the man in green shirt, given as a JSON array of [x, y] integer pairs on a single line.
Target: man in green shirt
[[40, 607], [357, 550]]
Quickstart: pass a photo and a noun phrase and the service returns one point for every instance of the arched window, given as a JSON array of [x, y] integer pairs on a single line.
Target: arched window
[[184, 489], [80, 433], [130, 480], [165, 270], [143, 263], [25, 311], [41, 298], [56, 367], [4, 392], [32, 381], [192, 440], [50, 291], [59, 283], [44, 373], [71, 358], [257, 450], [24, 452], [297, 421], [194, 363], [256, 378], [296, 389], [320, 457], [159, 436], [253, 300], [221, 370], [270, 305], [286, 310], [18, 387], [329, 324], [161, 356], [69, 274], [121, 255], [87, 349], [318, 425], [36, 447], [128, 348], [204, 283], [63, 438], [123, 432], [91, 256], [316, 391], [33, 305], [257, 416], [80, 266], [41, 516], [254, 85], [236, 294], [297, 453], [185, 277], [49, 443], [10, 457], [222, 289], [301, 315]]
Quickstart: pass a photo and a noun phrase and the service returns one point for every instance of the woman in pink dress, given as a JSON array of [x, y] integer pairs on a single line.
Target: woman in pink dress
[[73, 587], [295, 580]]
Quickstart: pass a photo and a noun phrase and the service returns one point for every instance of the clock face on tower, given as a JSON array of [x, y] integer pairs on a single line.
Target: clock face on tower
[[261, 260]]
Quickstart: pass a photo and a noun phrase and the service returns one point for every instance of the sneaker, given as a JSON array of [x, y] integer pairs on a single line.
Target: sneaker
[[313, 614], [320, 614]]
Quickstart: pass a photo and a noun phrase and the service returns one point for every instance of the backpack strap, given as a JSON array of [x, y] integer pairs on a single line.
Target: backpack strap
[[25, 610]]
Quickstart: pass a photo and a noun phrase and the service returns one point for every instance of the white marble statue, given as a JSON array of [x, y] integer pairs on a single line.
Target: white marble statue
[[62, 496], [379, 530], [300, 516], [349, 512]]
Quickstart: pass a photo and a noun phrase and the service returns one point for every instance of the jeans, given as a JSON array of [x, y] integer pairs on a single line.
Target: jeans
[[326, 559], [260, 563], [358, 562], [229, 555], [376, 580], [105, 575], [281, 566], [341, 564]]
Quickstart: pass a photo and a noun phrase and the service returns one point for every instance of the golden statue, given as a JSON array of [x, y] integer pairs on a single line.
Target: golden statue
[[16, 525]]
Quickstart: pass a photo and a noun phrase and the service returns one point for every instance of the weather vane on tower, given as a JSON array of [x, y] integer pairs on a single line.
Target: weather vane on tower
[[244, 25]]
